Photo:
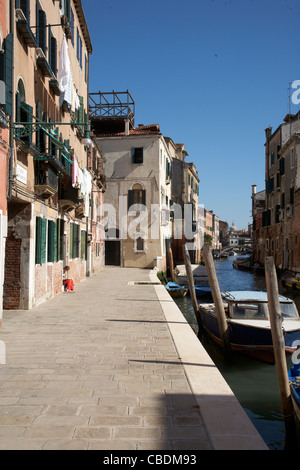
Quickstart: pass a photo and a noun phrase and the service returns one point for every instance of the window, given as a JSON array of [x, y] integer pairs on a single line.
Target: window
[[72, 27], [85, 68], [25, 7], [24, 112], [136, 195], [52, 52], [137, 155], [74, 241], [292, 158], [52, 241], [41, 30], [79, 48], [140, 245], [60, 239], [292, 195], [40, 240], [83, 246]]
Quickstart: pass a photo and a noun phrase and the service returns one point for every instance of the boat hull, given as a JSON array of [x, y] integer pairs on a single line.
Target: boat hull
[[176, 290], [252, 341], [294, 376], [291, 284], [203, 291]]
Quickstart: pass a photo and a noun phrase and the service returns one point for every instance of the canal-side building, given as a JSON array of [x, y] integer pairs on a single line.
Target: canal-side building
[[51, 182], [5, 113], [185, 191], [138, 190], [279, 232]]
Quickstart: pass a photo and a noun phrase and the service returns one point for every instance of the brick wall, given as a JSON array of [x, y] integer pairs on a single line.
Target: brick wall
[[12, 280]]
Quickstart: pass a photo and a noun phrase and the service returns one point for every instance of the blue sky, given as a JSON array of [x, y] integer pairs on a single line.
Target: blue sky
[[214, 74]]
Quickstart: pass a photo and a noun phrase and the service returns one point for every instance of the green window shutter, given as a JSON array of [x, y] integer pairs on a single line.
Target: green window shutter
[[130, 198], [76, 240], [26, 116], [83, 244], [137, 155], [40, 252], [58, 226], [8, 76], [144, 197], [52, 52], [43, 31], [81, 112], [71, 240], [18, 114], [52, 241]]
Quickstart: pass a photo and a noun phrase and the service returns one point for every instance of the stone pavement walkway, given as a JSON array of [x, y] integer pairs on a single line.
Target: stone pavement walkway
[[96, 369], [114, 366]]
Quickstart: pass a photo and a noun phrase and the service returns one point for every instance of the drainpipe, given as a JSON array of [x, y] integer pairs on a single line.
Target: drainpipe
[[11, 133]]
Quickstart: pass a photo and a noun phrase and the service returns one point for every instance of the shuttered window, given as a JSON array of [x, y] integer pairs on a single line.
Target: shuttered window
[[83, 245], [6, 67], [74, 241], [137, 155], [42, 34], [52, 52], [52, 241], [40, 240], [136, 197], [60, 239]]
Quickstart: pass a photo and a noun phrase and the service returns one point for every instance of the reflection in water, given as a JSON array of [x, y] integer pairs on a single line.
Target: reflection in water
[[254, 383]]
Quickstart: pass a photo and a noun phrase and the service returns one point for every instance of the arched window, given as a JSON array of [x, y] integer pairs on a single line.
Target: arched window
[[21, 91], [136, 195], [23, 111]]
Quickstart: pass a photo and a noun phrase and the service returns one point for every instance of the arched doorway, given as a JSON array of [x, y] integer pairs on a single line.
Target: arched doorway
[[112, 247]]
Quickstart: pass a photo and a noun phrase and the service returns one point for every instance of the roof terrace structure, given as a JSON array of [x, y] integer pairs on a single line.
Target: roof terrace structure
[[111, 112]]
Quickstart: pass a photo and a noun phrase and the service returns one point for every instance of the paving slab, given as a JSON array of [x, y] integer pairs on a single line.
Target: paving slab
[[114, 366]]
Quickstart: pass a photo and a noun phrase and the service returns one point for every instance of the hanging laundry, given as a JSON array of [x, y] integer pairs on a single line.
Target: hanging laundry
[[75, 103], [65, 74], [64, 69], [75, 172]]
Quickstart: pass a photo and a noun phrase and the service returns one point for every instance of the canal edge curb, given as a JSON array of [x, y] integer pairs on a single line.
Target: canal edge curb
[[226, 422]]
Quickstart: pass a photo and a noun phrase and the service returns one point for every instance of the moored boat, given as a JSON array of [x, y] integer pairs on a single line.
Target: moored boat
[[248, 322], [291, 281], [242, 262], [175, 290], [294, 377], [203, 291]]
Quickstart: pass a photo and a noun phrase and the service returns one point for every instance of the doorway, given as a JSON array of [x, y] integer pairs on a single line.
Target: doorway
[[112, 248]]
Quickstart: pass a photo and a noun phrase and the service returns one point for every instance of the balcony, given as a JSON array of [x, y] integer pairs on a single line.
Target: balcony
[[24, 29], [42, 63], [68, 197], [80, 210], [53, 83], [46, 182], [63, 166]]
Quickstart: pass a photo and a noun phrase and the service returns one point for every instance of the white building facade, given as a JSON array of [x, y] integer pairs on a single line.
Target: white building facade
[[136, 218]]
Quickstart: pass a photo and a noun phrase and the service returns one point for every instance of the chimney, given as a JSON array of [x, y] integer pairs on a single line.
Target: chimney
[[268, 132], [127, 127]]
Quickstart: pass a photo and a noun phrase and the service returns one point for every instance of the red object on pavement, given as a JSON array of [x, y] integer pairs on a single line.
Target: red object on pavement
[[69, 283]]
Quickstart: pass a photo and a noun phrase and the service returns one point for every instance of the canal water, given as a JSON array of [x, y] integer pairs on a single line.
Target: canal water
[[254, 383]]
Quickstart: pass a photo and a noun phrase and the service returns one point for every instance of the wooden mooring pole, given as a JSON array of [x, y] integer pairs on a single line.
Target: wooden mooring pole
[[190, 278], [216, 295], [171, 263], [279, 350]]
